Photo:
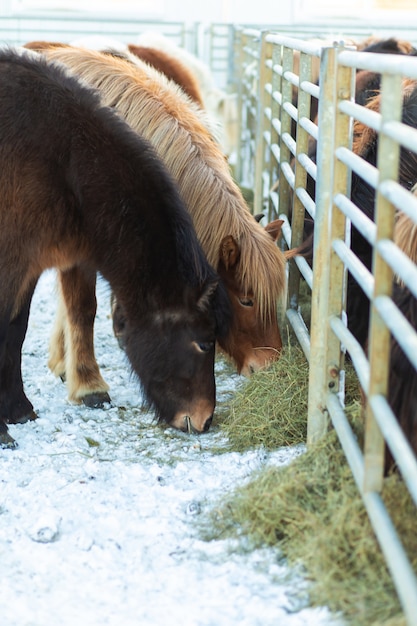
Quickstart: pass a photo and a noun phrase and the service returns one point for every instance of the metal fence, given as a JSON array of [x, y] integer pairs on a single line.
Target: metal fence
[[21, 28], [278, 90]]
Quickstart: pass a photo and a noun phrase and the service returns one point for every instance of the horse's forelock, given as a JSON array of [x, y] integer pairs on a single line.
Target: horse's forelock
[[261, 270]]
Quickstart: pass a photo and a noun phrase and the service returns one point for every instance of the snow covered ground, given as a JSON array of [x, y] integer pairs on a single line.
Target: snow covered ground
[[98, 510]]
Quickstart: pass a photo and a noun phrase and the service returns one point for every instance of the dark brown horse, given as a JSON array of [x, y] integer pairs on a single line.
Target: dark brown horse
[[80, 191], [246, 257]]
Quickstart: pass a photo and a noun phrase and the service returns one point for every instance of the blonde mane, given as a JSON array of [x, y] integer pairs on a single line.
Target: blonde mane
[[178, 132]]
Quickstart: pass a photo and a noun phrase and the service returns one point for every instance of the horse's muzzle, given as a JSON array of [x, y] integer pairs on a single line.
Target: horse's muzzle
[[196, 425]]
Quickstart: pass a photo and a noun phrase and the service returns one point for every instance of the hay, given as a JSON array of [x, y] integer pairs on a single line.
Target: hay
[[270, 409], [313, 512], [311, 509]]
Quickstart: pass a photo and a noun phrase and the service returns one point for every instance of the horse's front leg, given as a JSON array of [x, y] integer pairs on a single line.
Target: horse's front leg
[[84, 381], [15, 408]]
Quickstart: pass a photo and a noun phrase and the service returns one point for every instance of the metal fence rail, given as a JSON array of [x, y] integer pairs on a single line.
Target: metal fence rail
[[274, 145], [20, 28]]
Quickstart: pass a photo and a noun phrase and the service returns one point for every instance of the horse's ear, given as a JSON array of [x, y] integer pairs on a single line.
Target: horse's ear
[[229, 252], [274, 228], [216, 298], [204, 301]]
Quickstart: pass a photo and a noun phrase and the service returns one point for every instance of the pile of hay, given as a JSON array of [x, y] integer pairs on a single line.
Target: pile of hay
[[311, 509], [270, 409], [313, 512]]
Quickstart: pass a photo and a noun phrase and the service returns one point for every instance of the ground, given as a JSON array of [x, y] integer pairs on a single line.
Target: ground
[[100, 510]]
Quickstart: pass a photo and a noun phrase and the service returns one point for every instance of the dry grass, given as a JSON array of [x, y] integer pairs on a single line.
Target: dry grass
[[270, 409], [311, 509]]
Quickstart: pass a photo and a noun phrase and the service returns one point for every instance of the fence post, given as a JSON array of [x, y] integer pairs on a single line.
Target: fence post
[[318, 375], [379, 334], [264, 79], [284, 189]]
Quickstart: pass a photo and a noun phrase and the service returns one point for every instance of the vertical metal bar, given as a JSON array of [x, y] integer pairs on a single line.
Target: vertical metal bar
[[274, 163], [300, 181], [264, 75], [379, 335], [239, 54], [284, 190], [318, 375], [337, 274]]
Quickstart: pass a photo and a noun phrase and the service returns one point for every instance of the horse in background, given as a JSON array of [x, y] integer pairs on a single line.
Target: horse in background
[[368, 83], [246, 256], [363, 195], [402, 384], [172, 67], [81, 192], [222, 106], [169, 65]]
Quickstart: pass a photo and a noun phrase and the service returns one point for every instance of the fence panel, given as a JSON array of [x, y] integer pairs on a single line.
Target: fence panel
[[291, 183]]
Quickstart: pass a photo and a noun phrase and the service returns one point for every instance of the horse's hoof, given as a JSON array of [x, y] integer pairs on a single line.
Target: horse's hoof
[[7, 442], [96, 400], [29, 417]]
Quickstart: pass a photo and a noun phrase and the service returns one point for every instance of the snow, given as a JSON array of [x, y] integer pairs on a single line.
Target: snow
[[98, 509]]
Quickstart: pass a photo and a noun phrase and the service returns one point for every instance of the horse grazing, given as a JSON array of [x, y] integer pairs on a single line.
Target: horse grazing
[[81, 192], [244, 254]]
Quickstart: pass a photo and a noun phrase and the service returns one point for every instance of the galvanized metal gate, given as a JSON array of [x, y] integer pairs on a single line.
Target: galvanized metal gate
[[276, 165]]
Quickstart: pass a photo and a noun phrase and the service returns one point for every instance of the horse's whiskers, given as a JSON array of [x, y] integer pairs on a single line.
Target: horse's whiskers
[[267, 348], [187, 420]]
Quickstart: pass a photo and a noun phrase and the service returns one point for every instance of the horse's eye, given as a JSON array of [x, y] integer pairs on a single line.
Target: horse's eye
[[246, 301], [204, 346]]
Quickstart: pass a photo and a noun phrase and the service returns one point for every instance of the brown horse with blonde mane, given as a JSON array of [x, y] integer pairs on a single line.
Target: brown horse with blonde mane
[[244, 254]]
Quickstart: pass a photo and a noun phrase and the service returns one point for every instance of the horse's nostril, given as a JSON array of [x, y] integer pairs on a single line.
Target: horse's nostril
[[207, 424], [251, 369]]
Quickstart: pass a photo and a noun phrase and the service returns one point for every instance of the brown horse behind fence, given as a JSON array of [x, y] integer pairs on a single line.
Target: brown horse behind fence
[[402, 386], [245, 255], [165, 63]]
